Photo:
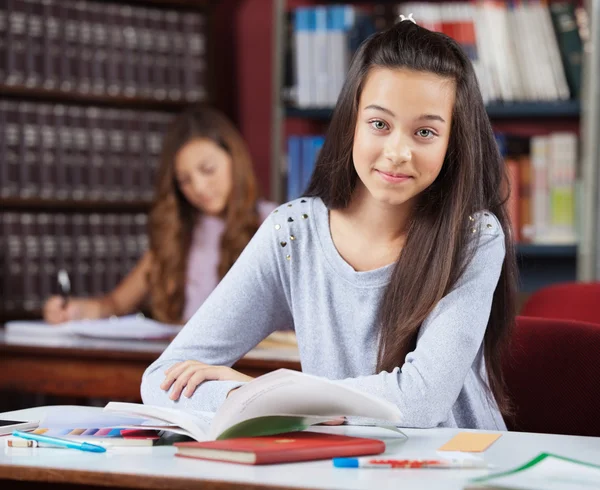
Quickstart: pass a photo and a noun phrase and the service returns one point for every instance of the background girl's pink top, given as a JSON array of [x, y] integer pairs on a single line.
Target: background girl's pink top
[[203, 260]]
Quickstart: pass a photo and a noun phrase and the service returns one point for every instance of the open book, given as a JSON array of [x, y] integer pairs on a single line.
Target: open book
[[277, 402]]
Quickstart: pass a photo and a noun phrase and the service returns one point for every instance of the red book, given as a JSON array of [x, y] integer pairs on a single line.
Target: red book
[[282, 448]]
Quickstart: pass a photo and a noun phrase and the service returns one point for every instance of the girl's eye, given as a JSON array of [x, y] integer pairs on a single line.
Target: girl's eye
[[378, 125], [207, 170], [425, 133]]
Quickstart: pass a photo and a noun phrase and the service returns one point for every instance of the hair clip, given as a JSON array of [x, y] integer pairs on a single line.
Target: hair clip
[[410, 17]]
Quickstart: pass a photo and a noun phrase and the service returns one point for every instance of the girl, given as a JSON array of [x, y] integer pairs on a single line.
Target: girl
[[205, 212], [395, 270]]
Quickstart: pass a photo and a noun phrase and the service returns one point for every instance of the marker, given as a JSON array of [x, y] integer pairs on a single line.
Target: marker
[[408, 463], [56, 441]]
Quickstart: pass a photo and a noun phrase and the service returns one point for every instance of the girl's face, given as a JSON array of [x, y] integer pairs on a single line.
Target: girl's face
[[203, 171], [402, 133]]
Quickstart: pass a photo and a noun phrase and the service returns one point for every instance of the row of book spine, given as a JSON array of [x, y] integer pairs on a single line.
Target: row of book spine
[[68, 152], [543, 203], [522, 51], [301, 158], [544, 198], [103, 48], [97, 250]]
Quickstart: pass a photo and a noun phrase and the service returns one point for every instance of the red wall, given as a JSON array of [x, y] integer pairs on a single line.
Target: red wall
[[242, 63]]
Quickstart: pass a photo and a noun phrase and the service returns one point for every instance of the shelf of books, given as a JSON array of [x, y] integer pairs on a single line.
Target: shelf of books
[[88, 88], [531, 89]]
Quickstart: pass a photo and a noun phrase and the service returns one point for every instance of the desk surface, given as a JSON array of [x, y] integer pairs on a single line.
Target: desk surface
[[158, 468], [96, 368], [147, 350]]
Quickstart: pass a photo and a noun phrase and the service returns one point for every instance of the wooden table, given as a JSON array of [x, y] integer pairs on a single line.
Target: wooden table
[[106, 369]]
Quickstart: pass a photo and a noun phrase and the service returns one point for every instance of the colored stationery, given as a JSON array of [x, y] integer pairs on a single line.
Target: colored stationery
[[82, 446], [107, 436], [408, 463], [17, 442], [470, 442], [283, 448]]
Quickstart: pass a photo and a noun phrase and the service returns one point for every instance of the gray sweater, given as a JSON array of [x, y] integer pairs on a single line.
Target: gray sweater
[[291, 274]]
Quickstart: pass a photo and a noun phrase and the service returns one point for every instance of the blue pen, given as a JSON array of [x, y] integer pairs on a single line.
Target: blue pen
[[57, 441]]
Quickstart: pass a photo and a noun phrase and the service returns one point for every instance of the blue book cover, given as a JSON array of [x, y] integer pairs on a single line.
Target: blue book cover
[[294, 166]]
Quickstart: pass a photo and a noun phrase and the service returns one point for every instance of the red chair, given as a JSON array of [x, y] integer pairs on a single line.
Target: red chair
[[571, 300], [552, 372]]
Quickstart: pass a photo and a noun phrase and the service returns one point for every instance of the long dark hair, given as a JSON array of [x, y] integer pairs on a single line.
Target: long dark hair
[[473, 175], [172, 218]]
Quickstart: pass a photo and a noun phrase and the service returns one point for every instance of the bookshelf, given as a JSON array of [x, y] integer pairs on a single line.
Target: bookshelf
[[88, 88], [540, 264]]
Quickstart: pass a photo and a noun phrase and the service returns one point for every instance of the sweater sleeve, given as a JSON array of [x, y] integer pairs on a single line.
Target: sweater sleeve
[[247, 305], [429, 382]]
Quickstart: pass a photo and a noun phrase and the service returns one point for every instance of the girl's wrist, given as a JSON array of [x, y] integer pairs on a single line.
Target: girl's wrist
[[107, 306]]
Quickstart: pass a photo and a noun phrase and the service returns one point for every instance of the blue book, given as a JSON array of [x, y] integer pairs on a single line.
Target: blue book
[[294, 176]]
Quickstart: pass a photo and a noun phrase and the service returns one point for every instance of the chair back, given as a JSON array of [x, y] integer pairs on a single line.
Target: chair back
[[552, 372], [570, 300]]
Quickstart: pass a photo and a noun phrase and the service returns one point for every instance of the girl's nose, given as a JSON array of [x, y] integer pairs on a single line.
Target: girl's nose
[[397, 150]]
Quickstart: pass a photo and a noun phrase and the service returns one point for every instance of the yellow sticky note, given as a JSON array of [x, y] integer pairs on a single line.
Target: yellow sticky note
[[470, 442]]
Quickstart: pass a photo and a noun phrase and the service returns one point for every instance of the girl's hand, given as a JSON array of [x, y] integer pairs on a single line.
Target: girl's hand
[[55, 310], [190, 374]]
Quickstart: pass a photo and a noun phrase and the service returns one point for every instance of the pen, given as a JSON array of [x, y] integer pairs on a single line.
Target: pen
[[407, 463], [65, 286], [82, 446]]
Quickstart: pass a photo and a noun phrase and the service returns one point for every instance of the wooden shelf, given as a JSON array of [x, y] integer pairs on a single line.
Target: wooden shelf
[[558, 251], [59, 96], [528, 110], [192, 4], [71, 205], [525, 110]]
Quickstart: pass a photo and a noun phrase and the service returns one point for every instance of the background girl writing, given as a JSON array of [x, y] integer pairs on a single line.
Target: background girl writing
[[205, 211]]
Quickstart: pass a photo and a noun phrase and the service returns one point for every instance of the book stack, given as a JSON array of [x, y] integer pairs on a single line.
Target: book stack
[[543, 187]]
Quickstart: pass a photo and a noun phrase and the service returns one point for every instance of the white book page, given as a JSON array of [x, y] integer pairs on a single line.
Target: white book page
[[36, 328], [194, 424], [286, 392], [126, 327]]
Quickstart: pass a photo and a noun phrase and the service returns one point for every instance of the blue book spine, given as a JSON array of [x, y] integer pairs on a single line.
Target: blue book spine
[[317, 144], [294, 177]]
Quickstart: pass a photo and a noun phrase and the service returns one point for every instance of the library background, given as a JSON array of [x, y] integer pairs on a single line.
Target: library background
[[87, 88]]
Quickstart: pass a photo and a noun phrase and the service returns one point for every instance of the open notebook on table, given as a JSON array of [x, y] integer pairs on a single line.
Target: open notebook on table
[[124, 327], [135, 327]]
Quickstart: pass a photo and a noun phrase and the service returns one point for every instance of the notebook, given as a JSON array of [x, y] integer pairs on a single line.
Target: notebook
[[126, 327], [282, 448], [544, 472]]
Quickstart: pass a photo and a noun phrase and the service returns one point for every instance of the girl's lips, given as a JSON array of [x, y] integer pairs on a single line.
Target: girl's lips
[[393, 178]]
